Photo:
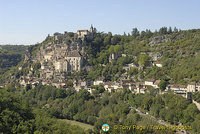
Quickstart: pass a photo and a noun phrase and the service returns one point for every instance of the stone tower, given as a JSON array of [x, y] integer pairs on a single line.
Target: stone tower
[[91, 29]]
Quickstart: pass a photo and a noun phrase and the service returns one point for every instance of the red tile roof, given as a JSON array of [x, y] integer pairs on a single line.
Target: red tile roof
[[157, 62]]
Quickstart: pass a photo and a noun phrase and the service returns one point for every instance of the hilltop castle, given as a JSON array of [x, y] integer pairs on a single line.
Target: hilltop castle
[[86, 33]]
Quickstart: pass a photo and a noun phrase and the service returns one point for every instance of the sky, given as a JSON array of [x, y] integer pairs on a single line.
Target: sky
[[30, 21]]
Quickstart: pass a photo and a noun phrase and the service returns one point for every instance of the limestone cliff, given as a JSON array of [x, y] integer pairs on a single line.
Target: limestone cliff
[[57, 56]]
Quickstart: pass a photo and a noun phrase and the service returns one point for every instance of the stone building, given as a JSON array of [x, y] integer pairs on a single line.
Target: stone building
[[61, 65], [99, 81], [72, 62], [82, 33], [85, 33], [75, 61], [157, 63], [149, 82], [193, 87]]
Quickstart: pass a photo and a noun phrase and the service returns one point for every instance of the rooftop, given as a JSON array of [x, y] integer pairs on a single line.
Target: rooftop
[[109, 83], [150, 80], [156, 82], [157, 62], [74, 53], [101, 78], [82, 31], [192, 83], [177, 86]]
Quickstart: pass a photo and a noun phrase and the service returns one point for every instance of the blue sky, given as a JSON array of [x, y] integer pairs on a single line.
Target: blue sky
[[30, 21]]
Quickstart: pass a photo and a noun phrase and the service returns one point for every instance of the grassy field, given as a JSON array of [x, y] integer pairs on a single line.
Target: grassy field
[[82, 125]]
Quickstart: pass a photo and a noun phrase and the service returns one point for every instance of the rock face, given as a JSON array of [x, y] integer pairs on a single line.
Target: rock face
[[165, 38], [160, 39], [60, 56], [155, 56], [61, 53], [52, 61]]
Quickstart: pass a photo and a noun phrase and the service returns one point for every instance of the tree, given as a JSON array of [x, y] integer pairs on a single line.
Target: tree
[[99, 88], [61, 93], [36, 66], [133, 71], [175, 30], [91, 120], [147, 102], [70, 34], [143, 60], [118, 48], [107, 40], [190, 113], [16, 116], [143, 34], [115, 39], [69, 83], [169, 30], [148, 33], [195, 124], [163, 30], [162, 85], [28, 87], [135, 32]]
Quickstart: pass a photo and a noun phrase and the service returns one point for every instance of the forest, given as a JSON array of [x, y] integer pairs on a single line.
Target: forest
[[37, 110], [179, 50], [10, 56]]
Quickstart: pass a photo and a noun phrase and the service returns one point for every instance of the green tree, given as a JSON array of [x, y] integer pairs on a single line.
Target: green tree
[[115, 39], [175, 30], [69, 83], [162, 85], [133, 71], [135, 32], [107, 40], [16, 116], [169, 30], [163, 30], [143, 60]]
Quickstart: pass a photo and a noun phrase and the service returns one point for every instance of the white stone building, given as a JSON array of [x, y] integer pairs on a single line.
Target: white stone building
[[158, 64], [99, 81], [179, 89], [149, 82], [193, 87], [83, 33]]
